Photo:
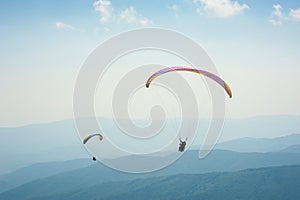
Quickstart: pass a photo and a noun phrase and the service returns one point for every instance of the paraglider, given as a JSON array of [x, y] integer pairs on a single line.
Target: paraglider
[[89, 136], [210, 75], [182, 145], [190, 69]]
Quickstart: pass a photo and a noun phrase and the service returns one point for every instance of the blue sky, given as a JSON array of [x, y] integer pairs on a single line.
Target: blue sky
[[254, 44]]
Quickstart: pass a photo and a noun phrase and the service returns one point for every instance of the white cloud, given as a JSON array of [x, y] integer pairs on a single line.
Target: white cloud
[[61, 25], [295, 14], [220, 8], [131, 16], [277, 15], [173, 7], [105, 9]]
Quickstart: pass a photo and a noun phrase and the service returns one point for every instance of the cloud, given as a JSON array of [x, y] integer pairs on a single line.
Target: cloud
[[277, 15], [61, 25], [131, 16], [173, 7], [105, 9], [295, 14], [220, 8]]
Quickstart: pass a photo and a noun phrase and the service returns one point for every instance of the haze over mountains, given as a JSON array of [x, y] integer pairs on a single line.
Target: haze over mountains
[[263, 183], [85, 170], [58, 141], [48, 161], [38, 171], [287, 143]]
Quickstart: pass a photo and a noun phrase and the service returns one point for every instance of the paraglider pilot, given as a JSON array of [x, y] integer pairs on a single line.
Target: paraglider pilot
[[182, 145]]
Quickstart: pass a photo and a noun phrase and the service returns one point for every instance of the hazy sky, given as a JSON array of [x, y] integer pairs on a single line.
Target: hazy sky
[[255, 46]]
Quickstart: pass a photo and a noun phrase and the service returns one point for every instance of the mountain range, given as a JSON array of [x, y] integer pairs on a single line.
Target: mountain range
[[60, 174], [48, 161], [264, 183], [58, 141], [262, 145]]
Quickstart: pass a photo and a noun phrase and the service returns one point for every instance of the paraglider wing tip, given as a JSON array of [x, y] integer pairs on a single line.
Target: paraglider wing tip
[[230, 94], [147, 85], [228, 90]]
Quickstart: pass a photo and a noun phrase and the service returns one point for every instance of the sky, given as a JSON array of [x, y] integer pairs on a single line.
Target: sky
[[255, 46]]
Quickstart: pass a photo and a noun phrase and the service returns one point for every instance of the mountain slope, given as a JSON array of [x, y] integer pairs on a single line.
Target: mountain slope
[[269, 183], [260, 144], [264, 183], [189, 164], [58, 141], [39, 170], [292, 149]]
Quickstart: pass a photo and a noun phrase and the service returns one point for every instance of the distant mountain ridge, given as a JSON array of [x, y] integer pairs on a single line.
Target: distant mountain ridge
[[292, 149], [38, 171], [261, 145], [59, 140], [218, 161], [264, 183]]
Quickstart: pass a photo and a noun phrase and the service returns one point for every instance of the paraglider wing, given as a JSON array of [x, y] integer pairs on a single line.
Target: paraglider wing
[[89, 136], [190, 69]]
